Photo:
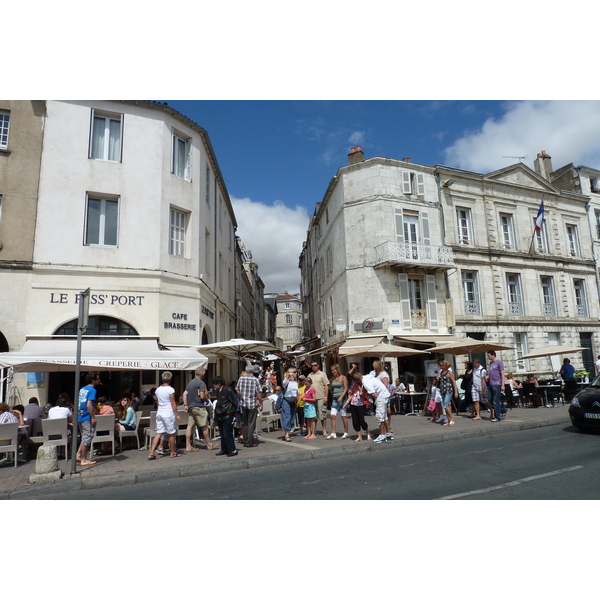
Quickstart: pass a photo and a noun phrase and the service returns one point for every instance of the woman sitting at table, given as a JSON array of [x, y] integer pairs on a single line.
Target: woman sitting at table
[[125, 415], [530, 391], [515, 386]]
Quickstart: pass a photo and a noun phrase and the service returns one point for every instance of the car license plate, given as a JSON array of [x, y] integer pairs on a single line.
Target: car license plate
[[591, 415]]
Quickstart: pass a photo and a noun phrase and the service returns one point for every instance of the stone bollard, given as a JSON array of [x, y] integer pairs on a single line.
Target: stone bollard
[[46, 465]]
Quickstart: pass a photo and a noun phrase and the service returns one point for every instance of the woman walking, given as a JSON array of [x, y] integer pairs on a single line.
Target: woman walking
[[165, 416], [447, 386], [467, 384], [384, 377], [288, 408], [356, 398], [339, 390]]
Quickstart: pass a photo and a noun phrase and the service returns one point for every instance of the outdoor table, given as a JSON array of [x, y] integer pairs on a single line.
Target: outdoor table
[[546, 388], [412, 395]]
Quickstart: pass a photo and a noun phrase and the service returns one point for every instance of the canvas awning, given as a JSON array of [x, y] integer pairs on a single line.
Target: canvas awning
[[51, 355]]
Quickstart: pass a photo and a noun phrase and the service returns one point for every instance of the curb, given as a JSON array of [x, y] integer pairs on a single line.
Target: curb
[[76, 482]]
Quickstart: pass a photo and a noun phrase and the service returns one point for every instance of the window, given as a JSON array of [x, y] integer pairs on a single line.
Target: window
[[286, 305], [573, 240], [470, 286], [101, 224], [541, 238], [549, 303], [580, 298], [463, 216], [105, 141], [508, 231], [0, 208], [521, 350], [329, 260], [182, 157], [597, 213], [288, 319], [515, 298], [177, 233], [595, 185], [4, 127]]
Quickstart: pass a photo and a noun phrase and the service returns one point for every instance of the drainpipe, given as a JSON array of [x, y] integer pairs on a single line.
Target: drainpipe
[[443, 230]]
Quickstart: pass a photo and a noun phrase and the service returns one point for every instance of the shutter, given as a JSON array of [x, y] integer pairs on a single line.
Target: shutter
[[399, 225], [404, 301], [424, 219], [432, 312], [188, 159], [421, 185], [406, 187]]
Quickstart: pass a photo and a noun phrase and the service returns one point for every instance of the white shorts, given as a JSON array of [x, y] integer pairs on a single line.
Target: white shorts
[[165, 422], [334, 411], [381, 405]]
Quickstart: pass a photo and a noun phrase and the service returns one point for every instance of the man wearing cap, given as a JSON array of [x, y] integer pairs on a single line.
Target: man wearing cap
[[194, 404]]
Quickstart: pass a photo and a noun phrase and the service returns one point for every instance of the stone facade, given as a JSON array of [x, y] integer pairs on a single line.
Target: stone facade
[[288, 320], [413, 251]]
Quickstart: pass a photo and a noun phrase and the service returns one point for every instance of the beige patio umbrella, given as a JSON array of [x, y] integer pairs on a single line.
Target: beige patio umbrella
[[468, 346], [382, 350], [551, 351]]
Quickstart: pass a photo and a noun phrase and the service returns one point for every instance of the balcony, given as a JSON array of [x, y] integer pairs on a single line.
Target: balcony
[[407, 254]]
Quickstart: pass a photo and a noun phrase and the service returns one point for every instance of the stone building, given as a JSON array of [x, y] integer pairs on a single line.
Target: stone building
[[126, 198], [424, 253], [289, 319]]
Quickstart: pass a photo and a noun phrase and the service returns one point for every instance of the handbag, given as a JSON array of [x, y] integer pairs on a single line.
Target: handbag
[[431, 405]]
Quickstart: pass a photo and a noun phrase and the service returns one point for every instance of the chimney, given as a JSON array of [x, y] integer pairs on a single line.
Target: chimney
[[355, 155], [543, 165], [406, 159]]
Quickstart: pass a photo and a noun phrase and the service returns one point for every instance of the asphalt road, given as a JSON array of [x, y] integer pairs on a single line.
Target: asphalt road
[[553, 463]]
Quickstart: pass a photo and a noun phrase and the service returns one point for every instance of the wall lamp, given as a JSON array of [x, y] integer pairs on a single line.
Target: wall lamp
[[449, 182]]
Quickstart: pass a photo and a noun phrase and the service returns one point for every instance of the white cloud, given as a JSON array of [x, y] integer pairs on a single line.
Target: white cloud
[[274, 234], [568, 130]]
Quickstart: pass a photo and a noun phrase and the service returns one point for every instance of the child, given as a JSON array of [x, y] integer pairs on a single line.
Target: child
[[300, 402], [310, 413], [436, 396]]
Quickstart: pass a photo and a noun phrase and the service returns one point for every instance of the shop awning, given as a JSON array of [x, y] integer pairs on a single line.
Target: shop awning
[[50, 355], [433, 339]]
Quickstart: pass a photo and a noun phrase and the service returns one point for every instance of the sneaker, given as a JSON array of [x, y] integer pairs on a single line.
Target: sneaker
[[345, 436], [331, 436], [379, 439], [389, 436], [162, 452], [442, 419], [494, 420]]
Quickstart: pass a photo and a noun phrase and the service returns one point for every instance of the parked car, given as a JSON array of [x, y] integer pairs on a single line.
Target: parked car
[[584, 410]]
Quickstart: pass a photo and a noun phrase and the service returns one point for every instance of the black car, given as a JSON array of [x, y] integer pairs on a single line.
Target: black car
[[585, 407]]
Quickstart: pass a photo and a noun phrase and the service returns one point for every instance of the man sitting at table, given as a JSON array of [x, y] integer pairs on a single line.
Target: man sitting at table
[[33, 410]]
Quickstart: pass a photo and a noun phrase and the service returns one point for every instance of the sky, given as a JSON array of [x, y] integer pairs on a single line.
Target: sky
[[278, 157]]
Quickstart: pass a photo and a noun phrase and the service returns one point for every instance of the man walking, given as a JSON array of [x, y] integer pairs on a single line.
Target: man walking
[[496, 384], [86, 417], [194, 404], [248, 388], [320, 383]]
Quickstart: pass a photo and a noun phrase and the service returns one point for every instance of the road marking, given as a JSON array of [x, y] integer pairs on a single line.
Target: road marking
[[511, 483]]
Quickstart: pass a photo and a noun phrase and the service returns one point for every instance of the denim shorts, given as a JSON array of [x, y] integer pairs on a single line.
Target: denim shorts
[[447, 399], [336, 407]]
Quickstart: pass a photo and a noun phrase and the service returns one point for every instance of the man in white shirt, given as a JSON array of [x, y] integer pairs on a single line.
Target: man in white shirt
[[381, 395], [478, 390]]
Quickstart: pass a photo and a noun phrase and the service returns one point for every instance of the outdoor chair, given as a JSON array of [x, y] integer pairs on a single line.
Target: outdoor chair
[[55, 432], [105, 432], [36, 434], [150, 431], [9, 438], [132, 434], [268, 416]]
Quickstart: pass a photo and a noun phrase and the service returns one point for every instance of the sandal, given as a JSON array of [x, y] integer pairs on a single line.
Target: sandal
[[87, 463], [176, 455], [210, 446], [152, 457]]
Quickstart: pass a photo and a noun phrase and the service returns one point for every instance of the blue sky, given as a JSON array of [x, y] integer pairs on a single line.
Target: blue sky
[[278, 157]]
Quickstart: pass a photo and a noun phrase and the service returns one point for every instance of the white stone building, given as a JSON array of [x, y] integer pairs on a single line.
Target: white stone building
[[132, 204], [288, 320], [423, 253]]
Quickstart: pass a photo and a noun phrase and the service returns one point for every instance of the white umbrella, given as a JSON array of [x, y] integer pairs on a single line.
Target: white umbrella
[[382, 350], [552, 351], [236, 347], [468, 346]]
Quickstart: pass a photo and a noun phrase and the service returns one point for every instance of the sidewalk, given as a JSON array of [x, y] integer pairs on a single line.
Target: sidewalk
[[132, 466]]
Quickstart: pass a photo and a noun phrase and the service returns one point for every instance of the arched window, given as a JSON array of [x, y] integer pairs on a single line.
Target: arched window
[[99, 325]]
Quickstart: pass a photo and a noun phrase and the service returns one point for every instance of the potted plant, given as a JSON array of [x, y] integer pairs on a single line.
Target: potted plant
[[582, 376]]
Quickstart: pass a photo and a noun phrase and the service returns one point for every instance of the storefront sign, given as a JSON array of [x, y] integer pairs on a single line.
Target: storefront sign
[[107, 299], [177, 322], [207, 312]]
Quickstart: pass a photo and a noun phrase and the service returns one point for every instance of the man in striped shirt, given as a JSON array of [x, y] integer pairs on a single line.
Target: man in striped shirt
[[250, 393]]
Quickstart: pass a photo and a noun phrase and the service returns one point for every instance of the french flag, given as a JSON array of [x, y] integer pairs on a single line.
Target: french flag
[[540, 217]]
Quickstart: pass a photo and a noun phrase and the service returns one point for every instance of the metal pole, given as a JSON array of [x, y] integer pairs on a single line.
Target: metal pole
[[83, 300]]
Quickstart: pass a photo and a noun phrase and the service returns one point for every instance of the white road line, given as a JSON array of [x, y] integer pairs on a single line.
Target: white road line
[[511, 483]]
